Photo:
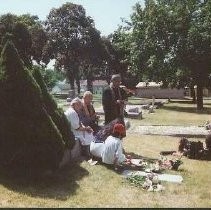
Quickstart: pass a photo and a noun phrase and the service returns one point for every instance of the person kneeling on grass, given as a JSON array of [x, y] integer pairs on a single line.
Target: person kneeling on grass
[[111, 151]]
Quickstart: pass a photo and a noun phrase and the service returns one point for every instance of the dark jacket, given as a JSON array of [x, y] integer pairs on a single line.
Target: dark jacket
[[111, 109]]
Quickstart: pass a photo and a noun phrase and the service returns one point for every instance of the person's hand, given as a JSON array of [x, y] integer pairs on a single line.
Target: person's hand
[[128, 157], [89, 129], [121, 102], [127, 161]]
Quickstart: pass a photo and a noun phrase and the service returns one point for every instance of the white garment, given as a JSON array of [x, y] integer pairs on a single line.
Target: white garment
[[85, 137], [96, 149], [113, 149]]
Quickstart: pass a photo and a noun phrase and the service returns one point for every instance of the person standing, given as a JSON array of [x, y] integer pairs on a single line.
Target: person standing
[[113, 100]]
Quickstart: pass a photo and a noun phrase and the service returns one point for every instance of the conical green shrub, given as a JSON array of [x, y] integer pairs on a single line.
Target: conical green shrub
[[57, 114], [29, 139]]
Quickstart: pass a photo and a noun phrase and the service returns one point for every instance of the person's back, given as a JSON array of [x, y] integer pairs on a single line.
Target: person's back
[[112, 149], [72, 117], [113, 100]]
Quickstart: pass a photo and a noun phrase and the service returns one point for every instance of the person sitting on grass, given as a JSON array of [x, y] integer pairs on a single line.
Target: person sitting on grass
[[111, 151], [83, 133], [107, 130], [195, 150], [87, 114]]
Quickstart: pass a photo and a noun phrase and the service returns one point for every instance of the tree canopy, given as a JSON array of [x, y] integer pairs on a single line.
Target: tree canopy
[[73, 39], [170, 41]]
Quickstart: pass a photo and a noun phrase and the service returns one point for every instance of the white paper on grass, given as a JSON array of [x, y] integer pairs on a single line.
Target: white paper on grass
[[161, 177], [137, 162]]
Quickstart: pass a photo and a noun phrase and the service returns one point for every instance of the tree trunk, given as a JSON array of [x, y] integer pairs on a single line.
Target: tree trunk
[[78, 85], [192, 93], [199, 95], [71, 81], [89, 78], [89, 85]]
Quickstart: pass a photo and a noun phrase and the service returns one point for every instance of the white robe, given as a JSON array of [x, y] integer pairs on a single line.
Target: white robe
[[96, 149], [84, 137], [112, 150]]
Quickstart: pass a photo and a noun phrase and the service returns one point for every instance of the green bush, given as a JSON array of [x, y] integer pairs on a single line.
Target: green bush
[[49, 76], [57, 114], [29, 139]]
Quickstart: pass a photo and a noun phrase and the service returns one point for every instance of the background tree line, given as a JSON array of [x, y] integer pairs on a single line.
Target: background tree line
[[168, 41]]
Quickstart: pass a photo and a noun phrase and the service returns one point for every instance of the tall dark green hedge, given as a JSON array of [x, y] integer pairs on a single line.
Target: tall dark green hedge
[[29, 138], [57, 114]]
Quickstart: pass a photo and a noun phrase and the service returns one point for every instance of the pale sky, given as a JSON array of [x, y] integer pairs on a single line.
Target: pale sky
[[106, 13]]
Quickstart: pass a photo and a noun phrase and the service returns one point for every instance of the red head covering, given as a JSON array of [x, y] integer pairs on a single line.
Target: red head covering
[[119, 128]]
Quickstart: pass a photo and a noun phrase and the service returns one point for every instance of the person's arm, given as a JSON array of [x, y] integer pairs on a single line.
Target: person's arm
[[84, 128], [93, 115], [107, 99], [76, 124], [119, 156]]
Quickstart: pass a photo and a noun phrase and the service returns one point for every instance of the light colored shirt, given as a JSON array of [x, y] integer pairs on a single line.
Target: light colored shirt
[[96, 149], [112, 150], [85, 137]]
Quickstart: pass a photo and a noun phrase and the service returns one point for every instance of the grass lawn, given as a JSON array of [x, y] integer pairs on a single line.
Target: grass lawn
[[82, 185]]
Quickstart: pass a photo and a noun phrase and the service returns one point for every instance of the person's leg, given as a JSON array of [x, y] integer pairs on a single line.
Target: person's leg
[[85, 151]]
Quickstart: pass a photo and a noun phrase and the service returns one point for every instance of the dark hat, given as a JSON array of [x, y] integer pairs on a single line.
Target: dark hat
[[115, 77]]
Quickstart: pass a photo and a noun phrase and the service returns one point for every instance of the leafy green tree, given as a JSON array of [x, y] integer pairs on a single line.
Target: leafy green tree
[[29, 36], [38, 36], [122, 42], [56, 114], [194, 42], [50, 76], [171, 42], [71, 34], [20, 36], [29, 139]]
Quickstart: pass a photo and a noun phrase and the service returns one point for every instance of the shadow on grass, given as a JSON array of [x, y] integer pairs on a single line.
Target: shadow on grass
[[136, 156], [187, 109], [129, 167], [181, 101], [188, 102], [59, 185]]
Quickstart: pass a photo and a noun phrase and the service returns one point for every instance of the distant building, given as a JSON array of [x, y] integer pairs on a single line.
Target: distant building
[[98, 86], [63, 87], [149, 85], [206, 91], [150, 89]]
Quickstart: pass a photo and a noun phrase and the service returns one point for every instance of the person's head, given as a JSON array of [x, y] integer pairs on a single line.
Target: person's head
[[208, 141], [76, 104], [116, 80], [119, 130], [183, 144], [87, 97]]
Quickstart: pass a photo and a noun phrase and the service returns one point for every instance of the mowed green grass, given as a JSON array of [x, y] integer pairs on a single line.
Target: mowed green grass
[[177, 112], [82, 185]]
